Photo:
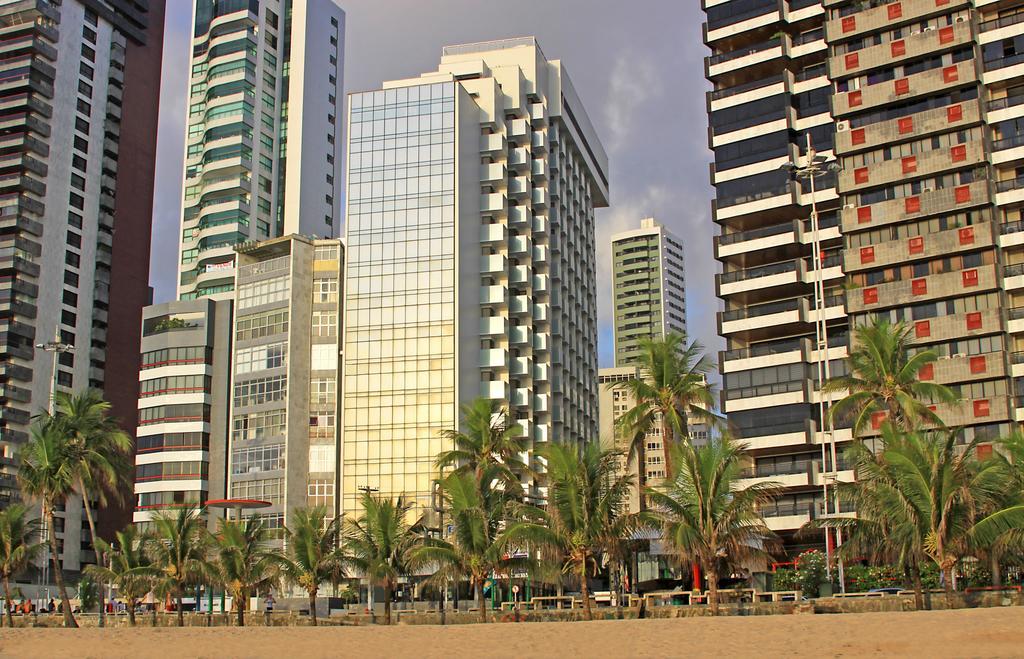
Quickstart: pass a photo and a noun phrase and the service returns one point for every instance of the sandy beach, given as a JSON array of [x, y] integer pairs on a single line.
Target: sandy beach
[[974, 633]]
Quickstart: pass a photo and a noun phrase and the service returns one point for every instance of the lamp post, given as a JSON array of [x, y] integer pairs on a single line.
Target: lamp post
[[812, 167], [56, 347]]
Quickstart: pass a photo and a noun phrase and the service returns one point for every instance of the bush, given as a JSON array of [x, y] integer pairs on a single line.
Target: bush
[[811, 571], [785, 579], [862, 578]]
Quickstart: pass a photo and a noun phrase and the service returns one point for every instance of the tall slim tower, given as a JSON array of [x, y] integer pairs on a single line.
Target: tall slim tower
[[470, 266], [74, 167], [263, 150], [648, 287]]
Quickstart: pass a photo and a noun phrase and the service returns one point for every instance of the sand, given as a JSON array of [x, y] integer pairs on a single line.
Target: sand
[[973, 633]]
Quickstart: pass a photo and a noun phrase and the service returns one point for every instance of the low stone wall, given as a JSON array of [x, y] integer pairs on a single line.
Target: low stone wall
[[825, 605]]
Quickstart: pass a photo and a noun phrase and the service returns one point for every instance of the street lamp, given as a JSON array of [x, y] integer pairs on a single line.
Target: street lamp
[[56, 347], [812, 167]]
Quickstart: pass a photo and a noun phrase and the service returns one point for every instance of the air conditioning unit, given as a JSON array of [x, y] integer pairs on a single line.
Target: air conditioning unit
[[961, 19], [941, 357], [842, 126], [927, 189], [929, 28], [960, 355], [848, 207]]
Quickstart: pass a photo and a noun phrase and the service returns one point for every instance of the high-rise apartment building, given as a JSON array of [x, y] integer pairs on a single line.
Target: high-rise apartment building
[[470, 265], [284, 440], [924, 97], [184, 405], [648, 287], [771, 89], [75, 166], [263, 150]]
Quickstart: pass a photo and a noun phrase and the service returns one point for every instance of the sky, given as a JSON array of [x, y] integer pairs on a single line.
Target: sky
[[637, 67]]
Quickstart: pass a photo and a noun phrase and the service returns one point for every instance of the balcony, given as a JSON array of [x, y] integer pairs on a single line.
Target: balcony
[[966, 368], [519, 246], [519, 366], [922, 289], [914, 126], [518, 187], [519, 159], [760, 316], [492, 173], [521, 397], [519, 305], [924, 164], [975, 411], [748, 18], [493, 263], [519, 216], [493, 295], [493, 203], [494, 390], [1010, 191], [929, 246], [775, 353], [494, 325], [754, 240], [912, 47], [750, 55], [903, 89], [767, 276], [493, 358], [1007, 149], [767, 395], [886, 16], [492, 233], [492, 144], [520, 335], [929, 202]]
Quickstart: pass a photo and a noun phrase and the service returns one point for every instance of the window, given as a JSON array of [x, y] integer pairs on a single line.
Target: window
[[322, 391], [321, 458], [174, 441], [173, 356], [259, 358], [70, 278], [260, 390], [258, 425], [174, 384], [252, 460], [263, 292], [172, 413], [322, 424], [72, 259], [324, 357], [260, 325], [325, 290], [267, 489], [325, 323], [74, 239], [320, 493]]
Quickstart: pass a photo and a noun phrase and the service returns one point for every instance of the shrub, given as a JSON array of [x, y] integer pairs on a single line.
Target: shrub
[[785, 579], [811, 571]]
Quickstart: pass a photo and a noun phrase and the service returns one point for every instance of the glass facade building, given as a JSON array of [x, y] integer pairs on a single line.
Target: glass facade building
[[470, 263]]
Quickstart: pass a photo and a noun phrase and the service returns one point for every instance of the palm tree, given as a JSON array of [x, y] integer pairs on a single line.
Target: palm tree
[[487, 438], [884, 379], [128, 567], [706, 516], [312, 552], [244, 564], [479, 543], [47, 473], [379, 543], [18, 548], [178, 545], [933, 498], [99, 452], [672, 386], [587, 498]]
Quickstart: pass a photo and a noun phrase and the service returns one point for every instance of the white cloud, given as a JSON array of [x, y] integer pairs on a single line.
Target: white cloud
[[633, 83]]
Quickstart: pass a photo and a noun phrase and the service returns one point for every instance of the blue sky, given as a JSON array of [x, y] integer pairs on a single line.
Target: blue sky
[[637, 66]]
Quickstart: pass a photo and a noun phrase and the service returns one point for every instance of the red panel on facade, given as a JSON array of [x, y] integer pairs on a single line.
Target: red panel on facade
[[854, 99], [983, 451], [901, 86], [909, 164], [919, 286], [954, 113], [978, 364], [962, 194], [927, 372], [974, 320], [864, 214], [966, 235], [915, 245], [950, 74], [923, 329], [912, 204], [857, 136], [876, 420], [871, 295], [970, 277], [860, 175], [849, 24], [895, 10], [946, 34], [898, 48], [852, 61], [867, 254], [982, 408], [905, 125], [958, 153]]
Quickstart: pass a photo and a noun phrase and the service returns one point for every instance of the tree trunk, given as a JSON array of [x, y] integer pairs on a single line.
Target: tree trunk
[[997, 576], [7, 602], [180, 596], [312, 606], [667, 442], [481, 599], [947, 585], [641, 471], [915, 572], [588, 613], [711, 570], [69, 617], [131, 612], [389, 594], [240, 601], [99, 557]]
